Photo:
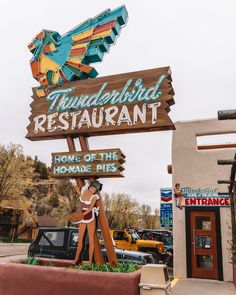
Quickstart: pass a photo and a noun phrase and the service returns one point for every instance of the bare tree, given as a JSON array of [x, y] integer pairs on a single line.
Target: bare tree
[[15, 170], [71, 203]]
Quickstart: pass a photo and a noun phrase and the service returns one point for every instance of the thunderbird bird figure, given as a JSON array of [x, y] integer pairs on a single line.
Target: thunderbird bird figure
[[59, 59]]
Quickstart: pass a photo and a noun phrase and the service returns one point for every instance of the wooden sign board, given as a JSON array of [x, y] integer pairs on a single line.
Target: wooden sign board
[[124, 103], [96, 163]]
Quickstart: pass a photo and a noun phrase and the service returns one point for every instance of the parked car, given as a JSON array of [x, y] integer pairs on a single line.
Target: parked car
[[61, 243], [162, 236], [130, 240]]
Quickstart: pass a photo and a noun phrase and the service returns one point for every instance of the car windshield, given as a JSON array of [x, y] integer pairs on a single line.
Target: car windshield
[[74, 239], [168, 240], [52, 238], [135, 236]]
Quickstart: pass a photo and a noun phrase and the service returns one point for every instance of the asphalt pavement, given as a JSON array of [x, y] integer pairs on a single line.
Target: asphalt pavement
[[7, 249]]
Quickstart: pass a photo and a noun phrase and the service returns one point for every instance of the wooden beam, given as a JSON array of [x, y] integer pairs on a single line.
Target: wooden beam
[[232, 175], [71, 147], [223, 181], [70, 143], [217, 146], [83, 143], [169, 169], [226, 162], [226, 114], [111, 254]]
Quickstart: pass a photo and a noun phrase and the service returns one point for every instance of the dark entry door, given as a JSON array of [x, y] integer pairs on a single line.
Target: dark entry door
[[203, 244]]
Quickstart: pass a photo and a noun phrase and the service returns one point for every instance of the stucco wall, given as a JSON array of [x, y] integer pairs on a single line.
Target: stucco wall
[[198, 169]]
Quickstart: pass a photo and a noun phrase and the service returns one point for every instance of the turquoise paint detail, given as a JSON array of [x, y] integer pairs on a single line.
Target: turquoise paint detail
[[67, 72], [60, 56], [120, 13], [94, 54], [62, 101], [93, 50]]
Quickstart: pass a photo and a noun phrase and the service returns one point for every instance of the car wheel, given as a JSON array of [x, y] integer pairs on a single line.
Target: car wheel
[[155, 256]]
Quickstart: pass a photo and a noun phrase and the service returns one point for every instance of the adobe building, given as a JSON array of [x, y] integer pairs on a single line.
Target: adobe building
[[202, 223], [15, 219]]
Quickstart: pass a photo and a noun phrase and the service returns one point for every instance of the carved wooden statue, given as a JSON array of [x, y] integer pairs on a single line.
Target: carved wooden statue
[[87, 218]]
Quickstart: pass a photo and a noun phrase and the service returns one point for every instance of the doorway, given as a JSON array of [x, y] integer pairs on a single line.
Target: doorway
[[204, 255]]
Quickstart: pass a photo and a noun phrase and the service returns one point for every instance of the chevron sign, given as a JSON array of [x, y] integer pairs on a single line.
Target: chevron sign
[[166, 194]]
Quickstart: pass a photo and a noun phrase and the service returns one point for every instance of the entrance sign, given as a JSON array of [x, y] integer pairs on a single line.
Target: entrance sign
[[206, 197], [124, 103], [102, 163]]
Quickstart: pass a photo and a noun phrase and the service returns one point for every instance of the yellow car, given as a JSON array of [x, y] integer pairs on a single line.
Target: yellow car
[[130, 240]]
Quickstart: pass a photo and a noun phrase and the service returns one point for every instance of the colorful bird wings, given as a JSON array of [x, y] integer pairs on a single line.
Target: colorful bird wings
[[58, 59]]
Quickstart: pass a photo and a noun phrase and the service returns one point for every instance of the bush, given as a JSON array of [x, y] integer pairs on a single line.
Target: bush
[[122, 267], [15, 240], [40, 168], [31, 261]]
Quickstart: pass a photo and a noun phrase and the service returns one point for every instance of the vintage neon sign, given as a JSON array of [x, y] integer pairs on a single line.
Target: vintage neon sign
[[62, 101], [123, 103]]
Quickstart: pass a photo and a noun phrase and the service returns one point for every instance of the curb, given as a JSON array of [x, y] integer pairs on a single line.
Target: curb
[[14, 244], [12, 254], [174, 282]]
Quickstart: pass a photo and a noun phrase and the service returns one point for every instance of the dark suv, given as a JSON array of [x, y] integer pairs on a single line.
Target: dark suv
[[61, 243]]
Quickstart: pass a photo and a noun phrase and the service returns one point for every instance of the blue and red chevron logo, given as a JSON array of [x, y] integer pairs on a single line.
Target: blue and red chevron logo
[[166, 194]]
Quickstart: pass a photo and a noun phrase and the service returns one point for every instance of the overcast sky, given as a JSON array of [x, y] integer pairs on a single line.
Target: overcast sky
[[195, 38]]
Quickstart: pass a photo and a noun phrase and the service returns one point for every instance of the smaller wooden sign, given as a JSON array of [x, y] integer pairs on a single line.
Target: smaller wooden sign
[[95, 163]]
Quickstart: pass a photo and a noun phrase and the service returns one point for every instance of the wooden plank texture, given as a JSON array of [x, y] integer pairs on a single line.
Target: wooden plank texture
[[95, 163], [133, 110]]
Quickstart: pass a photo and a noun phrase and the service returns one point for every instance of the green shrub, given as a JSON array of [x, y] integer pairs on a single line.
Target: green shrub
[[122, 267], [31, 261], [15, 240]]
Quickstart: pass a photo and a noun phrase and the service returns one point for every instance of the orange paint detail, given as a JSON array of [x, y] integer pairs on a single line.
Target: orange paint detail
[[63, 76], [43, 80], [31, 46], [105, 27], [35, 69], [101, 34], [40, 35], [82, 40], [83, 68], [47, 49], [78, 51]]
